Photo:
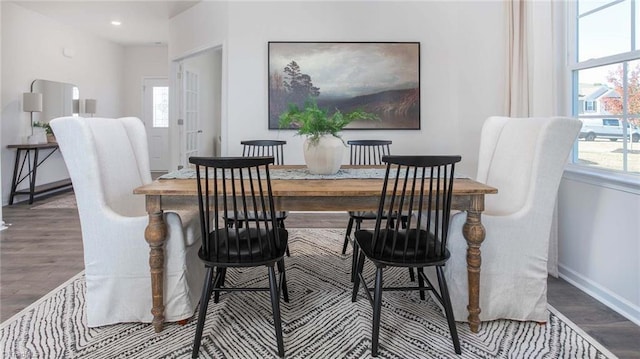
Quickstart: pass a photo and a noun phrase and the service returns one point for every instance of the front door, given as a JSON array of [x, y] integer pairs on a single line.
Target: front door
[[156, 120]]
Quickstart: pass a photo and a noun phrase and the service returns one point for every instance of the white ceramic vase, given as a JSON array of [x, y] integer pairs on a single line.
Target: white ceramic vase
[[325, 156], [39, 136]]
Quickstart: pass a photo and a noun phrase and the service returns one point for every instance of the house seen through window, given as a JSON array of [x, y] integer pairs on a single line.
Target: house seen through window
[[605, 77]]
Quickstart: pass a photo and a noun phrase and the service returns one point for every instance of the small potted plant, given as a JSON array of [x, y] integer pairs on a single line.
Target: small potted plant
[[324, 146], [51, 138]]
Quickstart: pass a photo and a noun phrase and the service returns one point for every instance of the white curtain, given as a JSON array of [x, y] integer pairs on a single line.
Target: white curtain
[[518, 73], [534, 58]]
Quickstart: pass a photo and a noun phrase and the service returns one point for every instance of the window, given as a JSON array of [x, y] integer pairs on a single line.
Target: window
[[160, 107], [605, 78]]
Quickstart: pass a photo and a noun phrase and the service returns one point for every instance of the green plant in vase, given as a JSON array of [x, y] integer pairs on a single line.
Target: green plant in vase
[[324, 145], [47, 130], [315, 122], [45, 126]]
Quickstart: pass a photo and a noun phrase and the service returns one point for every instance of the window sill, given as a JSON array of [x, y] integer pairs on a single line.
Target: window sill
[[609, 179]]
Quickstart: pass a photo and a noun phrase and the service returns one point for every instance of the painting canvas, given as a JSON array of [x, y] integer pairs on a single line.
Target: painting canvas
[[378, 77]]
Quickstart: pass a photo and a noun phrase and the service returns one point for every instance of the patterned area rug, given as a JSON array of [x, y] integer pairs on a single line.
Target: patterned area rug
[[319, 322]]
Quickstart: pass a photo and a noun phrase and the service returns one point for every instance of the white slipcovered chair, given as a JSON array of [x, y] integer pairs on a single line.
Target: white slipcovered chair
[[107, 158], [524, 159]]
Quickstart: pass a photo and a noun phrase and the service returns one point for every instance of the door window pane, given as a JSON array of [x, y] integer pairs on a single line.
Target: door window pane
[[603, 31], [609, 137], [160, 106]]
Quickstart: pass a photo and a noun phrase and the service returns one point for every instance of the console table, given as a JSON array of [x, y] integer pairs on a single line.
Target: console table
[[28, 154]]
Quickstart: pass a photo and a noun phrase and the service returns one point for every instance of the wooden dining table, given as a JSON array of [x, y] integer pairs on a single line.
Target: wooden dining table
[[326, 194]]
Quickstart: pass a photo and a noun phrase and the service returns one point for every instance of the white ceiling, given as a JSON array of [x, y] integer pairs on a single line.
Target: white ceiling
[[143, 22]]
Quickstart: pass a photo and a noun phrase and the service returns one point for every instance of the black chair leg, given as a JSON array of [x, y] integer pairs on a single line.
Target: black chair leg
[[216, 283], [354, 261], [275, 305], [356, 278], [420, 281], [347, 235], [412, 276], [219, 283], [283, 283], [444, 293], [354, 255], [281, 225], [202, 314], [377, 308]]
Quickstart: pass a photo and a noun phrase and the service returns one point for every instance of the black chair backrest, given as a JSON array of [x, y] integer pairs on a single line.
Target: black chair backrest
[[420, 188], [368, 152], [239, 185], [261, 148]]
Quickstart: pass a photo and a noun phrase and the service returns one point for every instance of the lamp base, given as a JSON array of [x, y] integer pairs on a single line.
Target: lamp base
[[37, 138], [32, 140]]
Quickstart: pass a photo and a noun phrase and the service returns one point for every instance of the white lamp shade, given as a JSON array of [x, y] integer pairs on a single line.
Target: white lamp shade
[[90, 106], [32, 102]]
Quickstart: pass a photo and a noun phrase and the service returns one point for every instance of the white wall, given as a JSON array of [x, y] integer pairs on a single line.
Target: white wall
[[460, 85], [2, 224], [199, 28], [599, 247], [140, 62], [32, 47]]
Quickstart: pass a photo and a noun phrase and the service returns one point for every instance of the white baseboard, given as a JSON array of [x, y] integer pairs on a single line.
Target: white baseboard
[[605, 296]]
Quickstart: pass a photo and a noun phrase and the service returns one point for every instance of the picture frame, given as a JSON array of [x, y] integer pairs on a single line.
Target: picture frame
[[382, 78]]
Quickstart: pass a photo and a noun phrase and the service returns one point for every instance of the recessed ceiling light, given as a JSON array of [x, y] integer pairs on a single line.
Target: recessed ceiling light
[[116, 23]]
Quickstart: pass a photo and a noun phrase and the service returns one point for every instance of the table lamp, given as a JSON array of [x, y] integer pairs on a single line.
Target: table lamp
[[90, 106], [75, 107], [32, 102]]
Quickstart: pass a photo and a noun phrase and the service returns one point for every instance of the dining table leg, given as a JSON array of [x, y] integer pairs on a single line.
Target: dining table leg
[[474, 232], [155, 235]]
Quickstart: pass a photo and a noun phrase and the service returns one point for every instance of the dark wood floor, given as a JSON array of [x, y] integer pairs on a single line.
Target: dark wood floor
[[42, 248]]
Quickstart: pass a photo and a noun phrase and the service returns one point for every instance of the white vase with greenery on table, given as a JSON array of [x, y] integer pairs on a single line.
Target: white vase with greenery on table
[[323, 148]]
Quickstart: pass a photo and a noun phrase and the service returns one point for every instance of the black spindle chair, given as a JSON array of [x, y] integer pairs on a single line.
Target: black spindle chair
[[260, 148], [364, 152], [419, 187], [367, 153], [238, 185]]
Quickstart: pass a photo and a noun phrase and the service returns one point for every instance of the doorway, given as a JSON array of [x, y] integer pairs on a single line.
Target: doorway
[[198, 83]]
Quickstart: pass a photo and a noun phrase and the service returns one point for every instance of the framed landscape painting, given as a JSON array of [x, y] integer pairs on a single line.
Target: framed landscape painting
[[378, 77]]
